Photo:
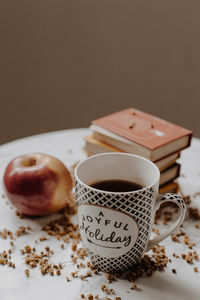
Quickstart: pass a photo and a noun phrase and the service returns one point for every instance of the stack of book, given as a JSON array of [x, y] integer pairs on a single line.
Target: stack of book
[[136, 132]]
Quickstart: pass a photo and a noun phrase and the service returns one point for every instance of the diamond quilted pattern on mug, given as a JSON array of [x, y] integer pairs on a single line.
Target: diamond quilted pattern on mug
[[139, 205]]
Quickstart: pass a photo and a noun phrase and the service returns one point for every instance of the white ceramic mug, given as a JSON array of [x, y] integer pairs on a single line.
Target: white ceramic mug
[[116, 226]]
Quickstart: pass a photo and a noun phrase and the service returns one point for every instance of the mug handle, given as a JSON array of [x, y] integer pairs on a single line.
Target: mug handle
[[176, 199]]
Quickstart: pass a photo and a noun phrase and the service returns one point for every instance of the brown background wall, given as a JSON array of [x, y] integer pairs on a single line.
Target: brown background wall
[[66, 62]]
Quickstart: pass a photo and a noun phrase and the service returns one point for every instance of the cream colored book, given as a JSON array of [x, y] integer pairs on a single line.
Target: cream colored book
[[171, 187], [94, 146], [169, 174]]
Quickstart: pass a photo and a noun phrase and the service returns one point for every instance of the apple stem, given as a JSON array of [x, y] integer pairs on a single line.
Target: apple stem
[[29, 162]]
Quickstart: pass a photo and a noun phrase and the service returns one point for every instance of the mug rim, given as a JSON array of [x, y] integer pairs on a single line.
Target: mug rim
[[121, 154]]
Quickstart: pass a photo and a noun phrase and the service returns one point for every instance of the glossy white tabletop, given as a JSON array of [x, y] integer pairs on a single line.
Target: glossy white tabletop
[[67, 146]]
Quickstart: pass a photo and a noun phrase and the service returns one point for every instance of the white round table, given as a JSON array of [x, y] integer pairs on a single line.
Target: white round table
[[67, 146]]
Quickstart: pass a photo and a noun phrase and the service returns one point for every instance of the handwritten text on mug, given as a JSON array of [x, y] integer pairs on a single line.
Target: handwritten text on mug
[[108, 232]]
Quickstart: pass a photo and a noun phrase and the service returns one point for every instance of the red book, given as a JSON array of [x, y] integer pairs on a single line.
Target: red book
[[140, 133]]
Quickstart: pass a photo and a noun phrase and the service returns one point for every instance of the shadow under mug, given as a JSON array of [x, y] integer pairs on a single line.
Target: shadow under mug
[[116, 226]]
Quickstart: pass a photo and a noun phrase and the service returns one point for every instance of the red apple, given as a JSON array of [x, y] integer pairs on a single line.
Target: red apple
[[37, 184]]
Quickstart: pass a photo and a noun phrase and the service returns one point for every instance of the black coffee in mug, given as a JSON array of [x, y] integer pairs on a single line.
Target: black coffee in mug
[[117, 185]]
